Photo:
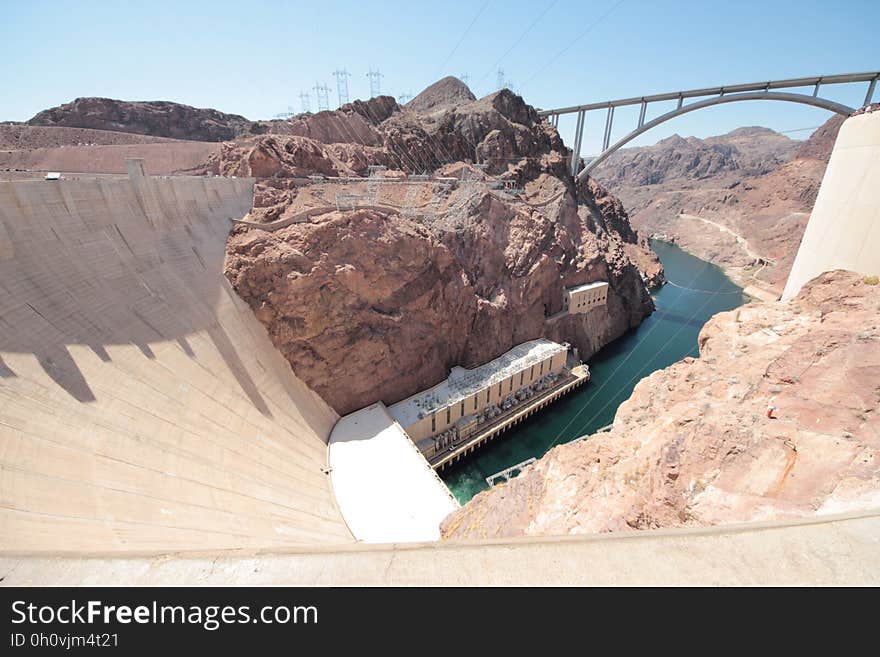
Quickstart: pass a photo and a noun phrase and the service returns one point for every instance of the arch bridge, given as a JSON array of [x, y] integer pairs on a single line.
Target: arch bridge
[[767, 90]]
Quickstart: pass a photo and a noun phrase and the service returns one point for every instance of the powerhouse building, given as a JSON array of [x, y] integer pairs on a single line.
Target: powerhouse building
[[456, 407]]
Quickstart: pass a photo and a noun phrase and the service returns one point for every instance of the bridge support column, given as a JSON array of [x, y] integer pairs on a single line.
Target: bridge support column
[[609, 119], [870, 93], [642, 113], [578, 138]]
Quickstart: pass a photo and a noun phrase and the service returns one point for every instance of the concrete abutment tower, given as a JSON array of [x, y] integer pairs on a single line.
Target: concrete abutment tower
[[844, 227]]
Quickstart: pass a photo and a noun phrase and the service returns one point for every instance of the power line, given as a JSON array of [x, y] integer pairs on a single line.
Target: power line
[[784, 132], [574, 41], [636, 375], [467, 29], [519, 39], [623, 362]]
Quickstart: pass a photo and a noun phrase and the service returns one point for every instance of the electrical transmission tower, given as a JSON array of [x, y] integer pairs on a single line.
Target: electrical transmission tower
[[464, 77], [304, 102], [500, 78], [342, 85], [322, 93], [375, 79], [403, 99]]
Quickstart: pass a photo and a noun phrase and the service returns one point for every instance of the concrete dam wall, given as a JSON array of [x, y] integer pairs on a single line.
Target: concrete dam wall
[[142, 406], [844, 227]]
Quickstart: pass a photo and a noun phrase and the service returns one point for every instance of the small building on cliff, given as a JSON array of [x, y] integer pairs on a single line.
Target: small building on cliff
[[583, 298]]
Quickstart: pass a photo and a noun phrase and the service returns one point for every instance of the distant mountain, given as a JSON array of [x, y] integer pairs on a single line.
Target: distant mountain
[[155, 118], [754, 182], [746, 151]]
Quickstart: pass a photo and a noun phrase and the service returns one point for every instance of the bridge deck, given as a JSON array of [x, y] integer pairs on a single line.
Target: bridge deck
[[767, 85]]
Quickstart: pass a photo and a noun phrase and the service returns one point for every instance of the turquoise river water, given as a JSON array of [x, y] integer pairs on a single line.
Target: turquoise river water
[[696, 290]]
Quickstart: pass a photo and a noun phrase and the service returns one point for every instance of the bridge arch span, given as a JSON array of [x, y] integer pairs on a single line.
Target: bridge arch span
[[803, 99]]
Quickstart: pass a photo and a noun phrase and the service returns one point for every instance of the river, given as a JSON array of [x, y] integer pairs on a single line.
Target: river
[[696, 290]]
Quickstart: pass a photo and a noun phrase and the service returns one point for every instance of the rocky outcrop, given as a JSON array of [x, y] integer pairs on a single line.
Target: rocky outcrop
[[694, 446], [610, 212], [821, 142], [281, 162], [285, 156], [745, 152], [157, 118], [752, 183], [354, 123], [500, 130], [446, 93]]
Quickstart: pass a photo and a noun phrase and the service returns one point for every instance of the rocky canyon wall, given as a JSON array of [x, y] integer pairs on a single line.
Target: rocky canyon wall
[[380, 302]]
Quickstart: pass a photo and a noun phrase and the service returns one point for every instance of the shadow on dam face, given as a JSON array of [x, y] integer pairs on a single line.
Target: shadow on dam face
[[80, 269], [142, 405]]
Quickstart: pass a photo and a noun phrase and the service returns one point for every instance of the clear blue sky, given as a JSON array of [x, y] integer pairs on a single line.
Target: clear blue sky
[[254, 58]]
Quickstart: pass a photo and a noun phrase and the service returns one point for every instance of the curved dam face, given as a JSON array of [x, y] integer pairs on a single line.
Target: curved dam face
[[142, 406]]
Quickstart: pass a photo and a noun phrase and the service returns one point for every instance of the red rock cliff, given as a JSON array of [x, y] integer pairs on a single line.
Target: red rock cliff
[[379, 303]]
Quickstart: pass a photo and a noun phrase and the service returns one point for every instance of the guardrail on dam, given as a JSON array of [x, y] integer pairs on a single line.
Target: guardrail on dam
[[142, 405]]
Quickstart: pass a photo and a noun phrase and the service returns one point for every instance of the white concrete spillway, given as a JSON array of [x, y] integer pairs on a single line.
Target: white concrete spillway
[[142, 405], [844, 227], [385, 488]]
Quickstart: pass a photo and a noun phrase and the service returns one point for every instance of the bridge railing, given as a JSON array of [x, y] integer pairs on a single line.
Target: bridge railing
[[763, 90]]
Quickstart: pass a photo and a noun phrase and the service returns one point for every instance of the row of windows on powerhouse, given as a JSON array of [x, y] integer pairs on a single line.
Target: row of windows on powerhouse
[[488, 390], [590, 302]]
